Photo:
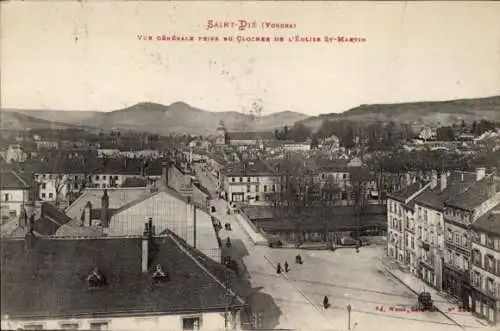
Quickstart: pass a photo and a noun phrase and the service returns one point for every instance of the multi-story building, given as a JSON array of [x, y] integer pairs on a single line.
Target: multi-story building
[[145, 282], [16, 190], [460, 212], [485, 266], [401, 226], [430, 226], [250, 183]]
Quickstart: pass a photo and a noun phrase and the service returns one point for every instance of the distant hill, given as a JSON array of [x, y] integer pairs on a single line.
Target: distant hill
[[178, 117], [18, 121], [426, 113]]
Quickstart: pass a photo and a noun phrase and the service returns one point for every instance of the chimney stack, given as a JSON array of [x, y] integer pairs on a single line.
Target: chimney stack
[[87, 215], [480, 173], [164, 174], [434, 179], [29, 238], [443, 181], [105, 209], [23, 219], [145, 247]]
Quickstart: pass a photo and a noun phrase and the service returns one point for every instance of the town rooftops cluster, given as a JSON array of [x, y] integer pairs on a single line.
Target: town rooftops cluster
[[69, 277]]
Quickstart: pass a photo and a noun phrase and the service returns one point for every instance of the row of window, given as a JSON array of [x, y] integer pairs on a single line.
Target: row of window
[[188, 323], [488, 262], [249, 179], [96, 177], [485, 283]]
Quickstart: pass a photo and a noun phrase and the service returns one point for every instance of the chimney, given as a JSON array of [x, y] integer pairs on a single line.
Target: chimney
[[87, 215], [105, 209], [434, 179], [23, 219], [480, 173], [443, 181], [29, 238], [408, 179], [145, 247], [164, 174]]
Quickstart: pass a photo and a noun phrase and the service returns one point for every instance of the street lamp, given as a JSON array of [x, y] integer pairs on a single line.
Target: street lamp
[[348, 317]]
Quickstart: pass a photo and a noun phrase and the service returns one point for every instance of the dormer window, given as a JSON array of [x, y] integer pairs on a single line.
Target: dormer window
[[159, 276], [96, 279]]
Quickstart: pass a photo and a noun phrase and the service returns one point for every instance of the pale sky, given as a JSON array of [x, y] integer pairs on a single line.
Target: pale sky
[[86, 55]]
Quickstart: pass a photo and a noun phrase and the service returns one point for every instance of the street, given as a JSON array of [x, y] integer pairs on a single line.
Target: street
[[344, 276]]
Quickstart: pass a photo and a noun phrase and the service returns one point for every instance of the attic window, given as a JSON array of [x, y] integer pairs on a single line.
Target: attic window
[[96, 279], [159, 276]]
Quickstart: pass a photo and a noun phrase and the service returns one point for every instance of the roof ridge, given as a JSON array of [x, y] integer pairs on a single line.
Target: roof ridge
[[19, 178], [201, 266]]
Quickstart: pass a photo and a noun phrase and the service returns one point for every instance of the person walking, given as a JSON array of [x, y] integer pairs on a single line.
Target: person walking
[[326, 303], [286, 266], [278, 269]]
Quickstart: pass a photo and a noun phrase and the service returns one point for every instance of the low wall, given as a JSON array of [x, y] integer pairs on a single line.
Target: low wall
[[252, 232]]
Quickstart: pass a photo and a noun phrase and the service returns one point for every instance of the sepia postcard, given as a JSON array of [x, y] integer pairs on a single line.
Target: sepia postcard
[[250, 165]]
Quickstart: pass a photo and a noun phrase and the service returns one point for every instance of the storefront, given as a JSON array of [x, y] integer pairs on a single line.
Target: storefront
[[485, 306], [456, 283]]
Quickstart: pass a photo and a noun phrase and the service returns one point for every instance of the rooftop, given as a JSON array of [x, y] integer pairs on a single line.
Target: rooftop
[[252, 168], [406, 193], [51, 280], [456, 184], [50, 221], [476, 194], [489, 222], [10, 180], [118, 197]]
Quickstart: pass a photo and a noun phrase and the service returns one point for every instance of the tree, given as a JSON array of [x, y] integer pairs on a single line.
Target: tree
[[445, 133]]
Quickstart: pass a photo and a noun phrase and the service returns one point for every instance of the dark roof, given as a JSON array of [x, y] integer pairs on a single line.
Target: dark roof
[[475, 195], [250, 135], [325, 165], [489, 222], [456, 184], [118, 166], [312, 223], [13, 180], [51, 279], [406, 193], [251, 168], [51, 219], [134, 182], [337, 218]]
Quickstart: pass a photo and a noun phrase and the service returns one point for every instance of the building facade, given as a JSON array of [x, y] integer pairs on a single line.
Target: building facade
[[485, 266], [16, 190], [251, 183]]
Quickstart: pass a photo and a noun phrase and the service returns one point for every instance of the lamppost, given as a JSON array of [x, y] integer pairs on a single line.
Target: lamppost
[[348, 317]]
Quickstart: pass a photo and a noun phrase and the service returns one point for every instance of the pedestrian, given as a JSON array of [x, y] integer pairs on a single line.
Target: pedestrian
[[298, 259], [278, 268], [286, 266], [326, 303]]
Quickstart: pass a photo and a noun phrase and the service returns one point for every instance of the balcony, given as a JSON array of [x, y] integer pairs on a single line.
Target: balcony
[[466, 250]]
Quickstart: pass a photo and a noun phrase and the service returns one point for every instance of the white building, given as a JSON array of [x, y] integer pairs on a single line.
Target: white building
[[15, 153], [250, 183], [16, 190]]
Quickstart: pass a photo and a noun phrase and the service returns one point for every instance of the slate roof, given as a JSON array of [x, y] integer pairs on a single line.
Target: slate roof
[[51, 279], [456, 184], [10, 180], [253, 168], [50, 221], [118, 197], [406, 193], [489, 222], [476, 194]]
